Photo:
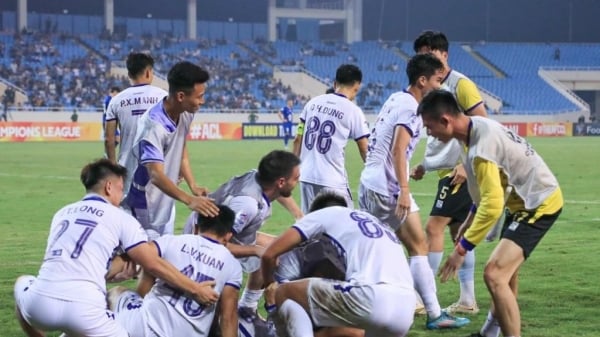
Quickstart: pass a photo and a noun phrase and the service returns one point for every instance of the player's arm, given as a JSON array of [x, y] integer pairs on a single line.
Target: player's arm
[[145, 283], [469, 98], [291, 206], [284, 243], [363, 147], [244, 250], [297, 146], [402, 136], [146, 255], [186, 172], [490, 207], [110, 141], [229, 314], [280, 115]]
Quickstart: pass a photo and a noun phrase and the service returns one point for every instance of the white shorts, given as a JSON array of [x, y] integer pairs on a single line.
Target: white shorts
[[128, 312], [141, 214], [382, 310], [308, 192], [381, 206], [71, 317], [249, 263]]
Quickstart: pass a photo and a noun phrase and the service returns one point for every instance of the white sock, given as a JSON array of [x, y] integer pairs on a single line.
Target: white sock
[[250, 298], [435, 259], [297, 321], [466, 276], [425, 285], [490, 328]]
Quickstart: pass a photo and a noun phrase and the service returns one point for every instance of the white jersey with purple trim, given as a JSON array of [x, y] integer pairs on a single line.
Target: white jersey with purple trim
[[166, 309], [158, 140], [400, 110], [372, 251], [83, 237], [126, 108], [329, 121], [246, 198]]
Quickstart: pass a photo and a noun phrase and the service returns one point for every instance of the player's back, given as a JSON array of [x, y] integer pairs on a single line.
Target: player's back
[[372, 252], [200, 258], [83, 236], [400, 110], [330, 121], [127, 107]]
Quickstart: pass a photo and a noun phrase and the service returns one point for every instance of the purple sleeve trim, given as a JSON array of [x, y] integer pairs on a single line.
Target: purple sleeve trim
[[466, 244], [473, 107], [158, 247], [135, 245], [363, 136], [304, 237], [236, 286]]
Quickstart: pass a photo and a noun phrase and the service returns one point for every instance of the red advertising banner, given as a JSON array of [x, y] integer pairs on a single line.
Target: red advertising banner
[[49, 131], [549, 129], [518, 128], [215, 131]]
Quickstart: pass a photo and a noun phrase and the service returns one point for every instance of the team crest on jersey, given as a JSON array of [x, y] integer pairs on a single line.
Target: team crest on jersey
[[241, 218], [439, 203]]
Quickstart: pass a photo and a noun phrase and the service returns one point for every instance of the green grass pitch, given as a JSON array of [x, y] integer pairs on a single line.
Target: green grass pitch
[[559, 292]]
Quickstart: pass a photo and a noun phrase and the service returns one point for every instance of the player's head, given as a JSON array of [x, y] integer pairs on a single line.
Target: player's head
[[439, 109], [280, 170], [140, 67], [425, 71], [114, 90], [326, 199], [220, 225], [290, 102], [433, 42], [187, 84], [349, 77], [105, 178]]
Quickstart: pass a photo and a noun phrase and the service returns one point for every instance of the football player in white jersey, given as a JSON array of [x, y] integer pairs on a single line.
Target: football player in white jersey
[[384, 190], [495, 158], [327, 123], [377, 294], [165, 311], [161, 153], [250, 196], [125, 109], [452, 202], [69, 292]]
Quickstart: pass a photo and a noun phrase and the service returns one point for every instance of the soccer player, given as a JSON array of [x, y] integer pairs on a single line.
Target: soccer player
[[286, 116], [126, 108], [452, 202], [250, 196], [384, 190], [377, 293], [69, 292], [496, 157], [328, 121], [161, 153], [116, 135], [165, 311]]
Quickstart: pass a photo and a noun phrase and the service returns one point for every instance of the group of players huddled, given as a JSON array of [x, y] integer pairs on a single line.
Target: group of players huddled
[[337, 271]]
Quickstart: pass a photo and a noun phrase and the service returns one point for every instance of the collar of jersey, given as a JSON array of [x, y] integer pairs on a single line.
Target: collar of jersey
[[447, 75], [210, 239], [341, 95], [266, 199], [94, 197], [469, 132]]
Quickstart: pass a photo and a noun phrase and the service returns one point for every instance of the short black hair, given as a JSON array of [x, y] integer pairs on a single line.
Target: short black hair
[[330, 90], [348, 74], [326, 199], [115, 89], [438, 102], [98, 170], [220, 224], [433, 40], [422, 65], [137, 64], [183, 76], [276, 164]]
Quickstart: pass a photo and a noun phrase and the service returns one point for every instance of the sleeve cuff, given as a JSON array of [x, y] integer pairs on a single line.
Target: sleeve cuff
[[304, 237], [158, 247], [363, 136], [466, 244], [473, 208]]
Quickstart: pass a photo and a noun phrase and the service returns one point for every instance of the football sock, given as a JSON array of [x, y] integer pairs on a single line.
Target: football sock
[[296, 319], [490, 328], [425, 285], [466, 276], [250, 298], [435, 259]]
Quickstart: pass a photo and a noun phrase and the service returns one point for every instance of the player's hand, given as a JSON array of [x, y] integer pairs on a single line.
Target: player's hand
[[179, 180], [417, 172], [204, 206], [459, 175], [205, 294], [403, 205], [450, 268], [199, 191]]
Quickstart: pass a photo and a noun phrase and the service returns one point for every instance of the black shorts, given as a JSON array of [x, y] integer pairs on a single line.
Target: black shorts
[[522, 229], [451, 201]]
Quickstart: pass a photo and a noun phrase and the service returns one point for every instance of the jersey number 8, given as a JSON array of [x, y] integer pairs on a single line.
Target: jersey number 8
[[319, 134]]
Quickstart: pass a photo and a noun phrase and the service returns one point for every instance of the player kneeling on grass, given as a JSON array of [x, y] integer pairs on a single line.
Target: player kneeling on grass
[[377, 292], [69, 292], [166, 311]]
